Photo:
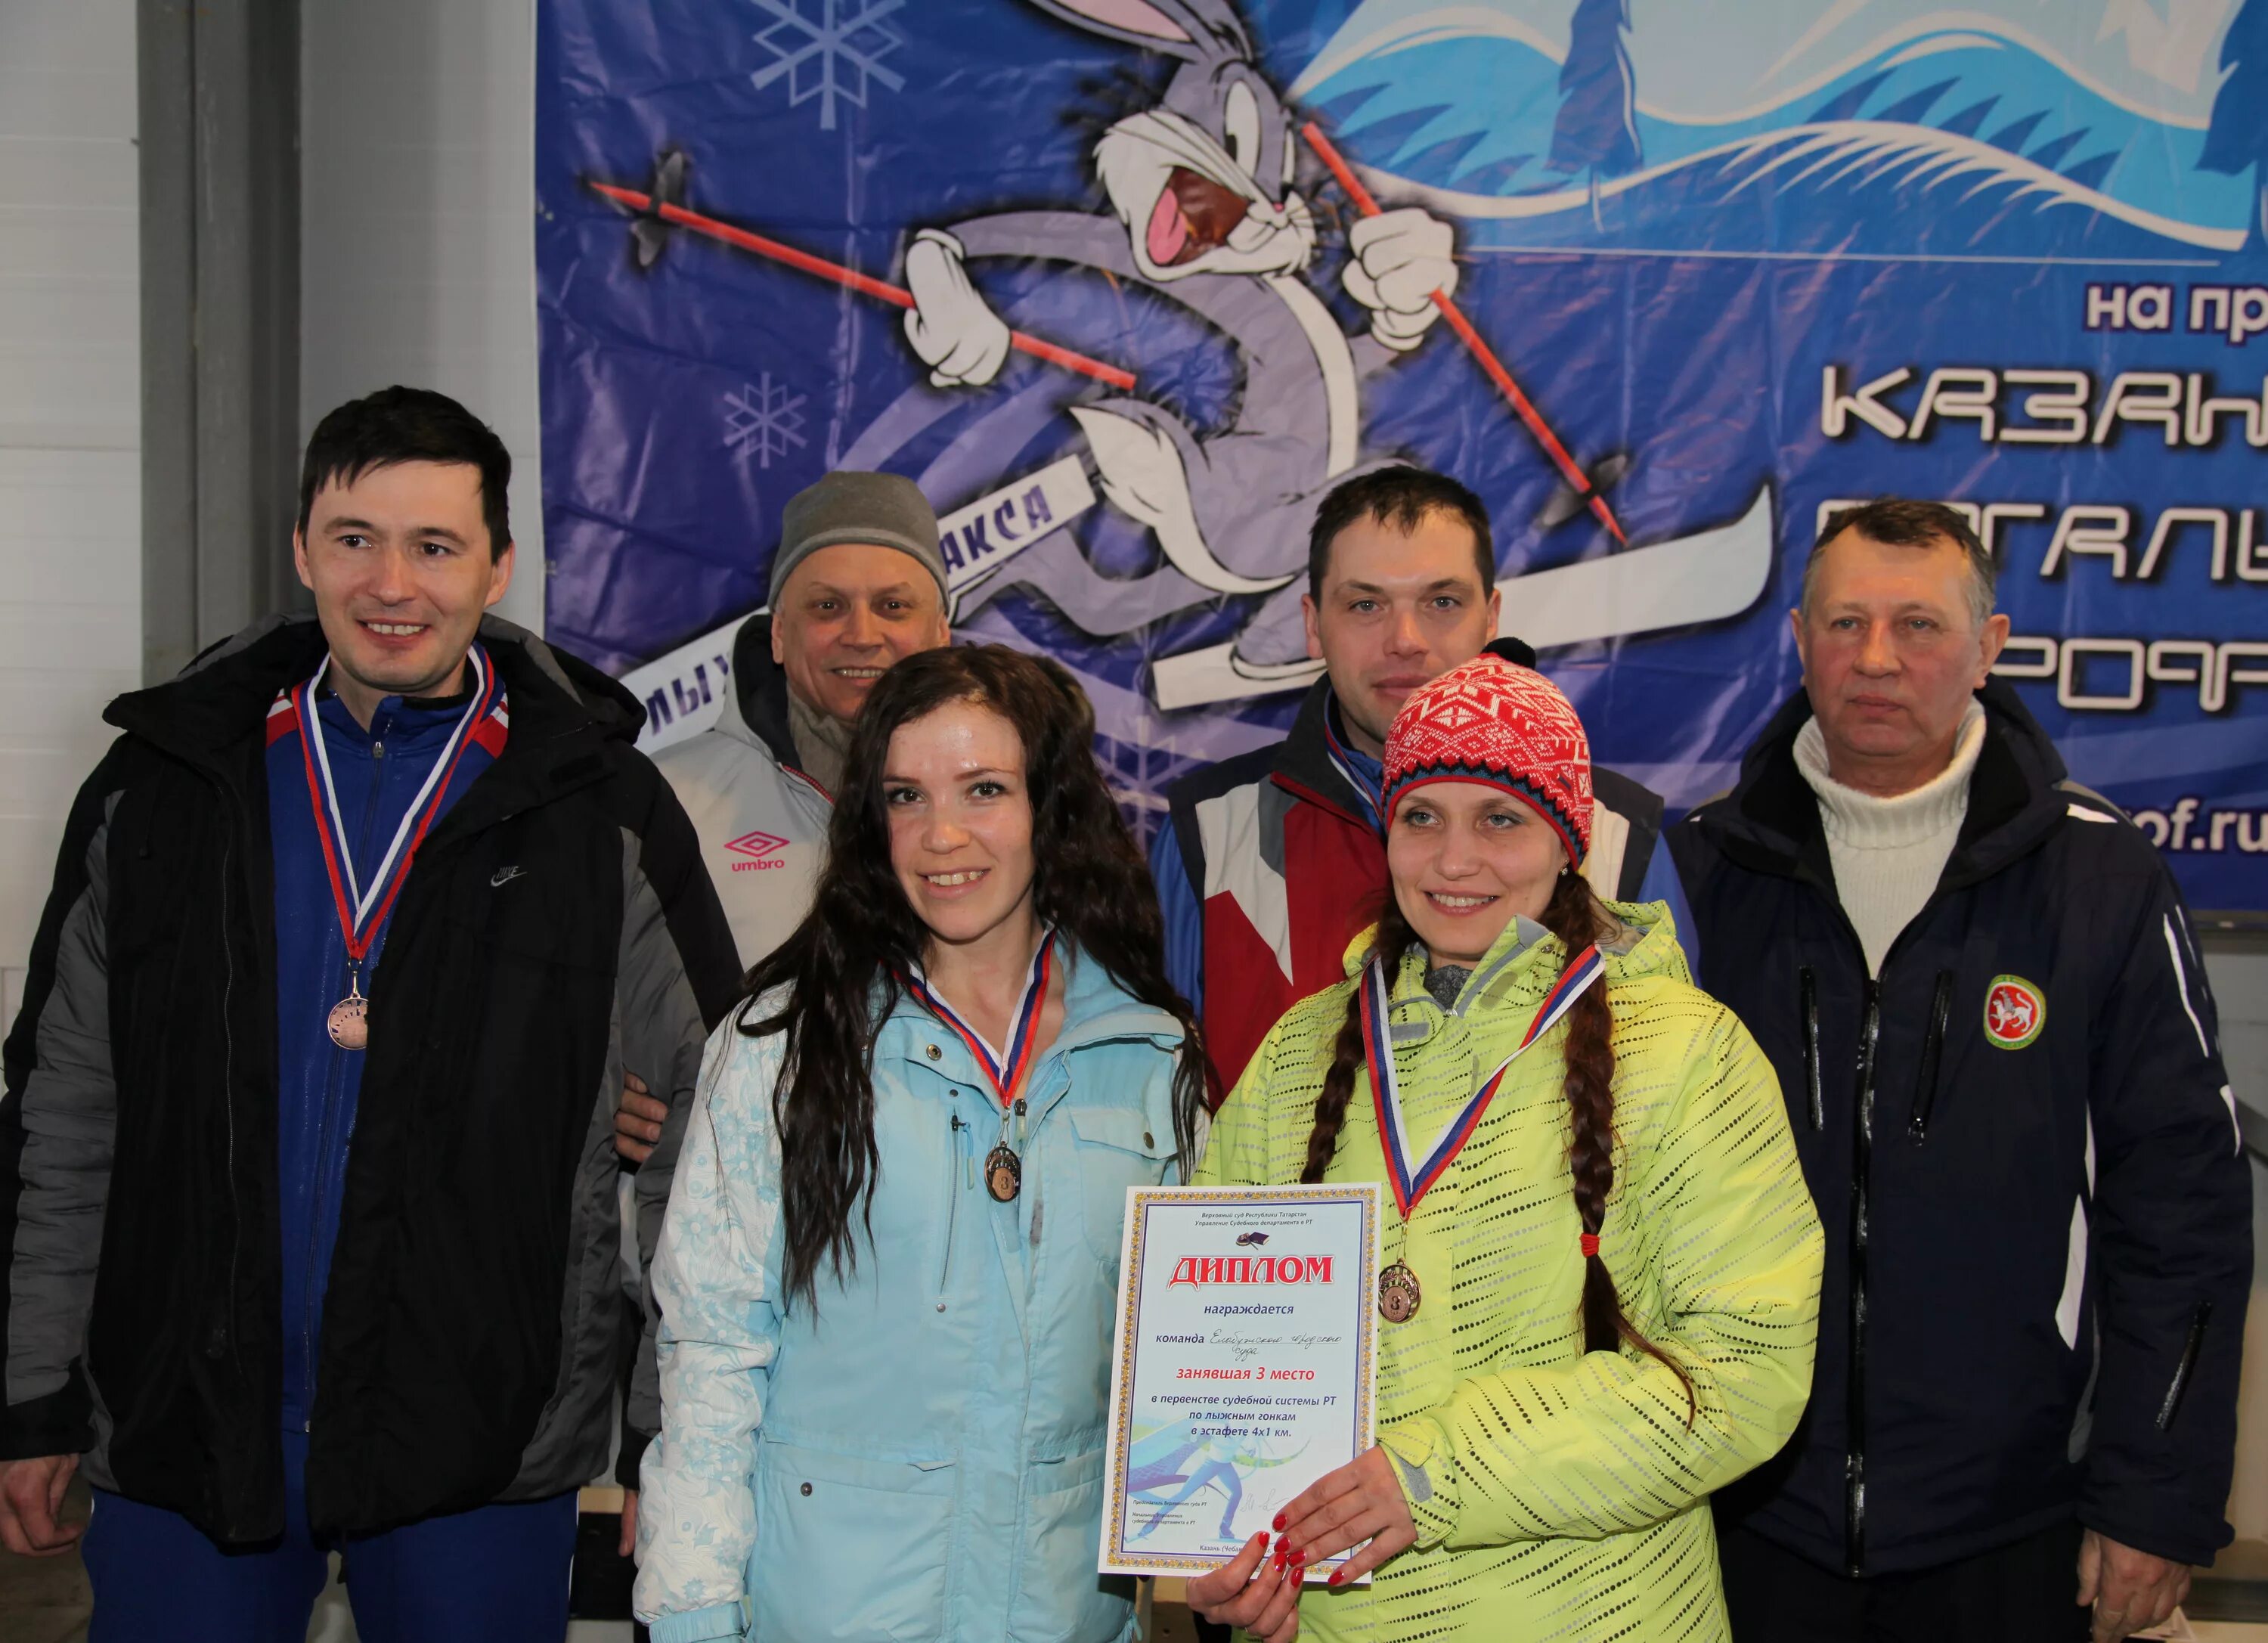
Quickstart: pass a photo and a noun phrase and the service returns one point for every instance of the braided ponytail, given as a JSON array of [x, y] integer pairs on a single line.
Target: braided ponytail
[[1573, 915], [1395, 937]]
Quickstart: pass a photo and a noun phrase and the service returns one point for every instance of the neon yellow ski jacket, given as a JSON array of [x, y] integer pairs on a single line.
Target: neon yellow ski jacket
[[1559, 1494]]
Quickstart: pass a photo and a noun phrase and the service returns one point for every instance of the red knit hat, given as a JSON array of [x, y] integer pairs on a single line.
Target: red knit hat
[[1496, 724]]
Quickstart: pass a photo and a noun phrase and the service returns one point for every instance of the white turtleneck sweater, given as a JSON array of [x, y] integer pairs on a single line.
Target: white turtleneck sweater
[[1889, 853]]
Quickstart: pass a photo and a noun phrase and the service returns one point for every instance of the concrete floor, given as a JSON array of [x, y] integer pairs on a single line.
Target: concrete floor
[[46, 1600]]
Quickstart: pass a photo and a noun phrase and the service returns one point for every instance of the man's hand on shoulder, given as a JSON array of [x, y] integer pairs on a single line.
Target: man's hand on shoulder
[[32, 1500], [2130, 1591], [637, 1121]]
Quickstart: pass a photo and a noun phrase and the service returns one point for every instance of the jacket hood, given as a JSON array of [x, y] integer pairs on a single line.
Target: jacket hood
[[754, 713], [1095, 1007], [1769, 821], [225, 693], [1526, 958]]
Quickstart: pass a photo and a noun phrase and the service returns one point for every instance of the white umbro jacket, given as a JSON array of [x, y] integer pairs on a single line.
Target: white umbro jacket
[[762, 821]]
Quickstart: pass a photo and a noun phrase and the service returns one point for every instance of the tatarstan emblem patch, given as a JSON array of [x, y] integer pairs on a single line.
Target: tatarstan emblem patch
[[2015, 1011]]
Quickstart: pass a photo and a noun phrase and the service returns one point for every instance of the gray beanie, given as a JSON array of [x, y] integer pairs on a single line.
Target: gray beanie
[[885, 509]]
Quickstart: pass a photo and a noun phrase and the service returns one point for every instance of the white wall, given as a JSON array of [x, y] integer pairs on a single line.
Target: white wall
[[70, 489], [417, 223], [2239, 968]]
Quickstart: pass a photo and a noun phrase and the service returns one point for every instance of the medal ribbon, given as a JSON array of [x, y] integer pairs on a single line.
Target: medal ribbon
[[1345, 766], [1005, 1072], [1411, 1183], [361, 910]]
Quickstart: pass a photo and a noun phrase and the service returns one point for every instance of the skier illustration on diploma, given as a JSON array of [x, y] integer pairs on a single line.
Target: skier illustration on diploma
[[1202, 208]]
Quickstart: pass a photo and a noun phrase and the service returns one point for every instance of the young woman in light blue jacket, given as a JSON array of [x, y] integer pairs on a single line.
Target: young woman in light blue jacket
[[888, 1271]]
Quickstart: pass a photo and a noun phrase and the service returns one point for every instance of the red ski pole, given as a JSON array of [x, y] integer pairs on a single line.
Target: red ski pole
[[1521, 405], [850, 279]]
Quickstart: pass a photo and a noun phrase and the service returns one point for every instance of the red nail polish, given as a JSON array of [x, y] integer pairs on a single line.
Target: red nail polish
[[1336, 1575], [1279, 1525]]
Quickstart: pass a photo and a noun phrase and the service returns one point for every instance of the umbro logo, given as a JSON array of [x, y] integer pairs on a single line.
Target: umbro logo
[[761, 850]]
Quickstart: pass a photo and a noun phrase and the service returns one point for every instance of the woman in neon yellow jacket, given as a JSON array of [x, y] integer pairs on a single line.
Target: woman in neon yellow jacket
[[1601, 1266]]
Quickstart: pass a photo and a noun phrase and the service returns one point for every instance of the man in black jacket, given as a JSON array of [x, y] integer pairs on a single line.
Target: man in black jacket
[[1981, 991], [308, 1204]]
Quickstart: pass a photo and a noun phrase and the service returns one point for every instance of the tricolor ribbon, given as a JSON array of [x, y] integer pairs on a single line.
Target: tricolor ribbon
[[1337, 751], [1006, 1072], [1411, 1183], [362, 908]]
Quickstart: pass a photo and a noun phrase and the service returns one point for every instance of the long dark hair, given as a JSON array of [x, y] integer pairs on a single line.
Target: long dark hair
[[843, 964], [1576, 918]]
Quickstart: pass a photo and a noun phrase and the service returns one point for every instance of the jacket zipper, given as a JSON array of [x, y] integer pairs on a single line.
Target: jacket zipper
[[319, 1283], [314, 1240], [220, 1332], [953, 1167], [1932, 1052], [1038, 1176], [1862, 1155], [1862, 1145], [2191, 1348], [1862, 1136], [1807, 996]]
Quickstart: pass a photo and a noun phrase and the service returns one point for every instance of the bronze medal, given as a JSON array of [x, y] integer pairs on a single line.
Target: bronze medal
[[1398, 1294], [350, 1022], [1004, 1170], [1004, 1174]]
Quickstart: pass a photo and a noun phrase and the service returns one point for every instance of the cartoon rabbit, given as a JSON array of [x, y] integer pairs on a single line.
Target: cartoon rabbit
[[1203, 211]]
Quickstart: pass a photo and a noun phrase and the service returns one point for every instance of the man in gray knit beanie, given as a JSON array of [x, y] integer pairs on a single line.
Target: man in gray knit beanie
[[857, 583], [846, 604]]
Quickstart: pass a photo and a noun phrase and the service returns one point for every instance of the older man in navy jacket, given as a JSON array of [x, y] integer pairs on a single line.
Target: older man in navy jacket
[[1986, 1006]]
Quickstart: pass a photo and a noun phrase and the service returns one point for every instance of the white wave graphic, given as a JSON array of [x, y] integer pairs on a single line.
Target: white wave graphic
[[1936, 158], [1441, 23], [1919, 37], [1914, 39]]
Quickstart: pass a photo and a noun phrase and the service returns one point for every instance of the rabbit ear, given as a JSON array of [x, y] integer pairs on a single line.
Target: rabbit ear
[[1200, 31]]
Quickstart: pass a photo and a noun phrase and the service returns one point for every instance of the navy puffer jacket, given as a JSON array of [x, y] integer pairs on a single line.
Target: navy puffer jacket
[[2023, 1148]]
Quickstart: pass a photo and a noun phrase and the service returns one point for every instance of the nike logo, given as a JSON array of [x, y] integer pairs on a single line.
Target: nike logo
[[503, 876]]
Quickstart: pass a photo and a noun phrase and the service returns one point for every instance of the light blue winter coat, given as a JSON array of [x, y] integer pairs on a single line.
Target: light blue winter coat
[[924, 1459]]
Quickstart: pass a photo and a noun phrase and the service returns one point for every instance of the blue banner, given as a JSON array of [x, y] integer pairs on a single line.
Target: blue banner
[[1083, 269]]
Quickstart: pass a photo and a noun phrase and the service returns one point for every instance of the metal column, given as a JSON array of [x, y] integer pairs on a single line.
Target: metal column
[[220, 96]]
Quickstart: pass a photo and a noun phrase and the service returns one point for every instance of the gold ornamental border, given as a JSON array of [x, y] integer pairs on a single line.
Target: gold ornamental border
[[1365, 1196]]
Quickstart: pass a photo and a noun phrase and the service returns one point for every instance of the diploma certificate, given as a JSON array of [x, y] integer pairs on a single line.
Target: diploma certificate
[[1244, 1370]]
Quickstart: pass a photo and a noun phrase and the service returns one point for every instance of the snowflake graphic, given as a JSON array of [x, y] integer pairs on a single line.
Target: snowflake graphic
[[843, 46], [1140, 769], [765, 418]]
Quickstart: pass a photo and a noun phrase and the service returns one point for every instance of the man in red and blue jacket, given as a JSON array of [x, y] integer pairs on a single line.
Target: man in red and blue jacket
[[1274, 861]]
